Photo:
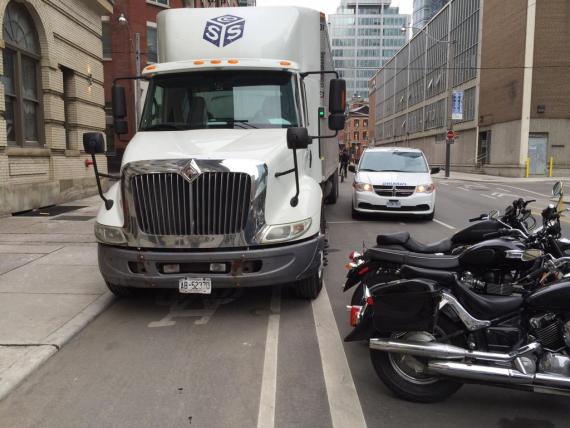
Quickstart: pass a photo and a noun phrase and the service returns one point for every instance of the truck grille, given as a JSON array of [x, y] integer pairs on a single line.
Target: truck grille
[[395, 191], [215, 203]]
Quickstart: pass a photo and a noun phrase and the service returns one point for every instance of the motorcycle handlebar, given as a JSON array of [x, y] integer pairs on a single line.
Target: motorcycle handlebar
[[481, 217]]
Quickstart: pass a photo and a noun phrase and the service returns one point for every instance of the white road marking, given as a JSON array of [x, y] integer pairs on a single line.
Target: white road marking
[[528, 191], [343, 400], [444, 184], [266, 415], [444, 224], [463, 188], [500, 195], [488, 196]]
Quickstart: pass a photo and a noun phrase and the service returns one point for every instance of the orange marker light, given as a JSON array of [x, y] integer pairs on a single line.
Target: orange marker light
[[233, 61], [150, 67], [216, 61], [285, 63], [198, 62]]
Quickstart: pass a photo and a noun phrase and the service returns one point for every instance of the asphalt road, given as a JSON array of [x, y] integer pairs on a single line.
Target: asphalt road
[[259, 357]]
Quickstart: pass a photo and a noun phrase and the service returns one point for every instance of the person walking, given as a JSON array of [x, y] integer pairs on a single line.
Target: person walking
[[344, 159]]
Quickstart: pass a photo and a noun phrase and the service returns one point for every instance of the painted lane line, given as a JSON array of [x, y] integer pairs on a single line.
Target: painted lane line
[[444, 224], [488, 196], [343, 399], [464, 189], [266, 415], [529, 191]]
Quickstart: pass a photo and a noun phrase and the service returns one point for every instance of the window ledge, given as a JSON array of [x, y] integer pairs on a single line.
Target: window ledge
[[166, 6], [28, 152], [72, 153]]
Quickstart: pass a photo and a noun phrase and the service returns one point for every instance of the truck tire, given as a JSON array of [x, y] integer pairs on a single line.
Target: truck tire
[[333, 195], [309, 288], [120, 291]]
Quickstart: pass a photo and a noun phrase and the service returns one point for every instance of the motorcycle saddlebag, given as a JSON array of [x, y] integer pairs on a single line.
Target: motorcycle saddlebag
[[406, 305]]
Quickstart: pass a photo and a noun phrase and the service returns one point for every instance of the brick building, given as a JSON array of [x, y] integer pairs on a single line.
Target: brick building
[[354, 137], [512, 61], [51, 93], [130, 32]]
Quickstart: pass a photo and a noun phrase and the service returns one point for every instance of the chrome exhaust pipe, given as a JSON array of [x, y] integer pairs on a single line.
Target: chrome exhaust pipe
[[501, 375], [445, 351]]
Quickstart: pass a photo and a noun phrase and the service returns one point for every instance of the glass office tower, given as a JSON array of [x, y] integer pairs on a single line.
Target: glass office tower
[[424, 10], [365, 34]]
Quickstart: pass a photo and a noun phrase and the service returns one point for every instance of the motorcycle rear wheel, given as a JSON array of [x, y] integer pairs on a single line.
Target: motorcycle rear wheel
[[418, 387]]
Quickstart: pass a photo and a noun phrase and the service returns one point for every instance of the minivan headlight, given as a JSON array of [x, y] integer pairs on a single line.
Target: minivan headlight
[[363, 187], [285, 232], [425, 188], [109, 234]]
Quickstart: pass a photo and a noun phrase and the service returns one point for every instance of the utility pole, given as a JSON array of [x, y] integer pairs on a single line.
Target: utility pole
[[450, 75]]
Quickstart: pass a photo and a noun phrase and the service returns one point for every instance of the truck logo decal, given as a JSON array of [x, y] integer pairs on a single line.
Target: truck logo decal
[[191, 171], [223, 30]]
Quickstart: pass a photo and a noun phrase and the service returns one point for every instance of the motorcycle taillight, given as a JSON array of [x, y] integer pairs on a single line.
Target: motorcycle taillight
[[355, 315]]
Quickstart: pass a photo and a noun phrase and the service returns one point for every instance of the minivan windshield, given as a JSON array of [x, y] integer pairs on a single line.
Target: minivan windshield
[[396, 161], [221, 99]]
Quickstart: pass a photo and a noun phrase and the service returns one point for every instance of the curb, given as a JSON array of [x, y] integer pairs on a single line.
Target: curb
[[38, 355], [498, 179]]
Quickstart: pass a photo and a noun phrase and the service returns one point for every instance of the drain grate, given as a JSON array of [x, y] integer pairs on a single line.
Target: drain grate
[[50, 211], [74, 217]]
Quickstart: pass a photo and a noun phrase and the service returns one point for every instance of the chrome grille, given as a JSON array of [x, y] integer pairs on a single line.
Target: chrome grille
[[395, 191], [215, 203]]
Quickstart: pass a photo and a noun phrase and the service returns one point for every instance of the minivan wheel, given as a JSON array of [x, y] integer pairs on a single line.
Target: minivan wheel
[[355, 214], [120, 291], [430, 216]]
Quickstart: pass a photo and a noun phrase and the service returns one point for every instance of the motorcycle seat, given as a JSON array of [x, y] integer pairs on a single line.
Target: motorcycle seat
[[404, 239], [486, 307], [428, 261]]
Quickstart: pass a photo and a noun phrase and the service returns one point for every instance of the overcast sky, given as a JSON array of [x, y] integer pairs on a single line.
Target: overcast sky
[[329, 6]]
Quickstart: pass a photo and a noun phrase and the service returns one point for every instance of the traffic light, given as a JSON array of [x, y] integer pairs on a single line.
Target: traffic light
[[321, 112]]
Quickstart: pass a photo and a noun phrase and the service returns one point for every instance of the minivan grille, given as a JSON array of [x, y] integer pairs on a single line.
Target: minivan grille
[[395, 191], [215, 203]]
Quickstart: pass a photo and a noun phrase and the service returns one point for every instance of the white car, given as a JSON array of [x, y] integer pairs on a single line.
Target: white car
[[393, 180]]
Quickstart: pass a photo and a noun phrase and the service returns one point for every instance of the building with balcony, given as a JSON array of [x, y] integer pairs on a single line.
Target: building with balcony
[[424, 10], [52, 92], [511, 61], [365, 34]]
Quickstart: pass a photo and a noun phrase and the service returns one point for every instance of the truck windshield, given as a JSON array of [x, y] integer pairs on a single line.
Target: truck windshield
[[397, 161], [221, 99]]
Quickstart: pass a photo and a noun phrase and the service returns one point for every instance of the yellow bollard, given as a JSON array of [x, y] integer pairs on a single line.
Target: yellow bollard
[[527, 172], [550, 166]]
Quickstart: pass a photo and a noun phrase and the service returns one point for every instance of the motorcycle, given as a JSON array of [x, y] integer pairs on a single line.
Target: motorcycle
[[492, 266], [431, 334]]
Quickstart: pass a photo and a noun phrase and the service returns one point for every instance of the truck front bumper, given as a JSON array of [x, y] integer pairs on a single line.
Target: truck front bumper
[[140, 268]]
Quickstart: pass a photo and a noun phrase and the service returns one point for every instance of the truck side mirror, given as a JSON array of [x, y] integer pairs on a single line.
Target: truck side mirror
[[336, 121], [93, 143], [298, 138], [119, 102], [337, 96]]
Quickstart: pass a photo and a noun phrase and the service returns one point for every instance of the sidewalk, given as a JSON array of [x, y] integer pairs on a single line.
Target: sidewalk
[[50, 286], [464, 176]]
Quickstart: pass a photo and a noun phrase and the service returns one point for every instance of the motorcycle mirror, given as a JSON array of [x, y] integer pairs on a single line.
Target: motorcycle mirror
[[493, 214], [557, 189], [509, 210], [530, 255]]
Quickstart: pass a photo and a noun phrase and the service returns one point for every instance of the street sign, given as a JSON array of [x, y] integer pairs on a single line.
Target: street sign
[[457, 105], [450, 135]]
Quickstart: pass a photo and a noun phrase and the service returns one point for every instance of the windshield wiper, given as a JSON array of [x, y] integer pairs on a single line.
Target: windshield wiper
[[164, 127], [369, 170], [242, 122]]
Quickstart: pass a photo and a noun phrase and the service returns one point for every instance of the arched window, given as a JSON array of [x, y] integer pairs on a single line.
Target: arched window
[[21, 77]]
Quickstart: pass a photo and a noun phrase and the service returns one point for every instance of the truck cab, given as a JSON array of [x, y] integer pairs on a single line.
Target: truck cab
[[223, 184]]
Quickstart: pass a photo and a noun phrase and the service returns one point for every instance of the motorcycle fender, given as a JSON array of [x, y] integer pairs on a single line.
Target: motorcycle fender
[[350, 282], [363, 331]]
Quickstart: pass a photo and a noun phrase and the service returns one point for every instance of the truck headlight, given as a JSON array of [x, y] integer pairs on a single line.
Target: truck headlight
[[109, 234], [285, 232], [425, 188], [363, 187]]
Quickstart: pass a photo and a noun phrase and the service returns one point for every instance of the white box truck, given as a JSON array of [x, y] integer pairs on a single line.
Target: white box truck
[[223, 184]]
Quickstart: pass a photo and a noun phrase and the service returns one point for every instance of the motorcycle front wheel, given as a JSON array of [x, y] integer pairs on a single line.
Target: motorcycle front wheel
[[406, 375]]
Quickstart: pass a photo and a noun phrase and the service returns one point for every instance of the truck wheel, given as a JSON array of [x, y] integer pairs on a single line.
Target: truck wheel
[[309, 288], [120, 291], [333, 195]]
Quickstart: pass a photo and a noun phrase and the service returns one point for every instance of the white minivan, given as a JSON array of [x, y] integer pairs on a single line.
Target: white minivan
[[393, 180]]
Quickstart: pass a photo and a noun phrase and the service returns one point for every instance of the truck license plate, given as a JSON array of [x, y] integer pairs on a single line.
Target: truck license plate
[[195, 285], [393, 204]]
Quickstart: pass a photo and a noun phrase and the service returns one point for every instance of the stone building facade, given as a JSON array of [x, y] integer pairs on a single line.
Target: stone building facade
[[51, 93]]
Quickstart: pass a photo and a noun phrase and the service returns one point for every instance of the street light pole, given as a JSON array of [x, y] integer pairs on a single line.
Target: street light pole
[[450, 68]]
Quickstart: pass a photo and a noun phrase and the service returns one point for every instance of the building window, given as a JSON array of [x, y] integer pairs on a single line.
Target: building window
[[67, 85], [21, 77], [356, 136], [365, 123], [106, 38], [356, 123], [164, 3], [151, 42], [365, 135]]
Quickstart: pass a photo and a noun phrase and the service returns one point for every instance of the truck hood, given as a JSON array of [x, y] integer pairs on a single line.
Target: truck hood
[[393, 178], [263, 145]]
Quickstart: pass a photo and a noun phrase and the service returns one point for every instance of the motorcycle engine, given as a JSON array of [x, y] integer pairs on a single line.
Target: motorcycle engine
[[491, 282], [550, 331]]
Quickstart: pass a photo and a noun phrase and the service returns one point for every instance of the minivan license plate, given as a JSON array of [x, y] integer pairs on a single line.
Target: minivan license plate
[[195, 285], [393, 204]]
